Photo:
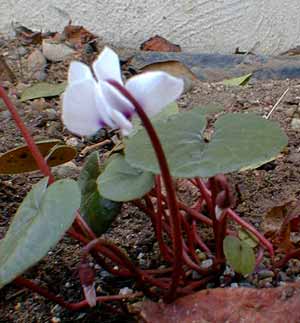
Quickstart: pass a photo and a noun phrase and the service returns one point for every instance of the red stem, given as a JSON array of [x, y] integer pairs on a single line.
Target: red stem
[[41, 163], [169, 186], [251, 229], [70, 306]]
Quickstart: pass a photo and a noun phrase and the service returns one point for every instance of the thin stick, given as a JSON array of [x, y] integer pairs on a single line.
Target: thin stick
[[277, 103]]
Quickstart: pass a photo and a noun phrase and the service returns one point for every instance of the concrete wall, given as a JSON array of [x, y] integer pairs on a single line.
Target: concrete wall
[[197, 25]]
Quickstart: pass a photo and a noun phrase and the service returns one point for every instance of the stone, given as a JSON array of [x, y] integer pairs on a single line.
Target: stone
[[5, 115], [66, 170], [295, 124], [56, 52], [36, 62], [51, 114]]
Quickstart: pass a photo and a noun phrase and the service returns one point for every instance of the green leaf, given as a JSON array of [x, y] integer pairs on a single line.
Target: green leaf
[[180, 136], [41, 220], [240, 141], [248, 237], [43, 90], [239, 255], [169, 110], [238, 81], [121, 182], [210, 108], [99, 212]]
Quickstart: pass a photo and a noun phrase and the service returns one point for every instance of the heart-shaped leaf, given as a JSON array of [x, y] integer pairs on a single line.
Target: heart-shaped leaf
[[239, 255], [41, 220], [121, 182], [20, 159], [43, 90], [240, 141], [99, 212]]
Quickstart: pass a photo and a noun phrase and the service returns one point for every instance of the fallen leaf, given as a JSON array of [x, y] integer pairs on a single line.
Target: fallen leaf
[[78, 36], [159, 44], [20, 159], [238, 81], [42, 90], [28, 36], [174, 68], [227, 305], [280, 221]]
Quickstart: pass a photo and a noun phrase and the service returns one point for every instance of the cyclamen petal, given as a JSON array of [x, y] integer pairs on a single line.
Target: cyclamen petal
[[107, 66], [116, 100], [122, 122], [79, 72], [155, 90], [81, 114], [90, 104]]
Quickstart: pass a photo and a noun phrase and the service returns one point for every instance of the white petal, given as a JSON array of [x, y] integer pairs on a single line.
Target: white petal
[[116, 100], [79, 72], [122, 122], [107, 66], [155, 90], [80, 112]]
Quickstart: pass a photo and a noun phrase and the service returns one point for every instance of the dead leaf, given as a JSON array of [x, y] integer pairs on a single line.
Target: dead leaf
[[227, 305], [280, 221], [20, 159], [78, 36], [6, 74], [159, 44], [28, 36], [42, 90], [172, 67]]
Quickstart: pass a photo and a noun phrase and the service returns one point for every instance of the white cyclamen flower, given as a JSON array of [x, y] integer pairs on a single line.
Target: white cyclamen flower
[[91, 103]]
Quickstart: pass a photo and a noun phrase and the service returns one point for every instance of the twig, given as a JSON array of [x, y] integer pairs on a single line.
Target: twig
[[277, 103], [95, 146]]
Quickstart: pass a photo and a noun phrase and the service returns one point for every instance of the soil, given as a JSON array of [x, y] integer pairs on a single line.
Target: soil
[[257, 190]]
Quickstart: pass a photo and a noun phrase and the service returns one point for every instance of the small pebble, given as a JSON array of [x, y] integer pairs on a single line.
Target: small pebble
[[68, 285], [266, 282], [206, 264], [51, 114], [125, 291], [73, 142], [17, 306], [55, 319], [295, 124], [22, 50], [265, 274], [5, 115]]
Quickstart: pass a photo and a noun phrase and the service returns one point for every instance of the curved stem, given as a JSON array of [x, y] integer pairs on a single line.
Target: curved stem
[[169, 186], [70, 306], [39, 159]]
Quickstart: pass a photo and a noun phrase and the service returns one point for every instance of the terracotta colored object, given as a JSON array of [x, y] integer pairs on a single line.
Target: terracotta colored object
[[276, 305], [78, 35], [159, 44]]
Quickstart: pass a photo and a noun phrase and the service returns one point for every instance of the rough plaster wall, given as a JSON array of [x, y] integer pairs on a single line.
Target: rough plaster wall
[[271, 26]]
